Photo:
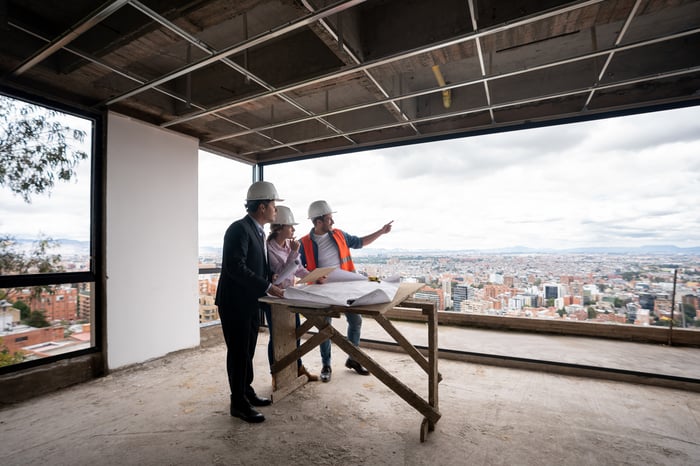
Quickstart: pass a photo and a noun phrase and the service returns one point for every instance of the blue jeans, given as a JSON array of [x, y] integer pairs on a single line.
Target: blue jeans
[[354, 330]]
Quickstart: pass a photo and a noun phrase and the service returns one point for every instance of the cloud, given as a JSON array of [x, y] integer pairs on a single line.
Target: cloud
[[562, 186], [474, 157], [64, 213], [645, 132]]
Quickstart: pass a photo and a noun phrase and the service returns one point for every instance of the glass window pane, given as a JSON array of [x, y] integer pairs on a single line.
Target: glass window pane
[[46, 228], [38, 322], [558, 223], [223, 185]]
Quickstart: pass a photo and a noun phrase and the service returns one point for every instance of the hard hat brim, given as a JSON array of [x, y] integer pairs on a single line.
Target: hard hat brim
[[331, 212]]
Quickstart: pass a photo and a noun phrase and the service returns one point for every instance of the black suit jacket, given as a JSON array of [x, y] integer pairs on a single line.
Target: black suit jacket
[[245, 274]]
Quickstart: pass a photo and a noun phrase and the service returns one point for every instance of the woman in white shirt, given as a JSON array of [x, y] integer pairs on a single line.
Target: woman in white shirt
[[283, 257]]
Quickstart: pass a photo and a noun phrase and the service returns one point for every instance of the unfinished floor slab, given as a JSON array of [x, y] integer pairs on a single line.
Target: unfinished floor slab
[[174, 411]]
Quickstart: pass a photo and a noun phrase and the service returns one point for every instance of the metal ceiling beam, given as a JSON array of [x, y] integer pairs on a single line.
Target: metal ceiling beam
[[324, 24], [203, 46], [480, 54], [257, 40], [96, 61], [427, 119], [130, 76], [618, 40], [69, 36], [388, 60], [227, 61], [483, 80]]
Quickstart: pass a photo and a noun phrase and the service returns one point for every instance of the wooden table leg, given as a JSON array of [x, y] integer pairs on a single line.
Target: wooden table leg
[[386, 378], [433, 374], [283, 334]]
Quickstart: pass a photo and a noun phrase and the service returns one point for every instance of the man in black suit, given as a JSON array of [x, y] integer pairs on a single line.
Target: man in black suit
[[245, 277]]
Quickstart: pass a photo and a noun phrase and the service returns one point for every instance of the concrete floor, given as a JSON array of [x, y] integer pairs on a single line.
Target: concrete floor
[[174, 411]]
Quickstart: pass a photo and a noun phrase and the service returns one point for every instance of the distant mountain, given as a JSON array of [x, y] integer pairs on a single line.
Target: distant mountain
[[74, 247], [660, 249], [65, 247], [651, 249]]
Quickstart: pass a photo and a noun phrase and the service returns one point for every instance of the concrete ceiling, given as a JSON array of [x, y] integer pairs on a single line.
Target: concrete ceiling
[[263, 81]]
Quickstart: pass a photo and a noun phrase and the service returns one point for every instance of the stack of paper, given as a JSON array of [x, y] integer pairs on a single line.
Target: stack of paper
[[343, 288]]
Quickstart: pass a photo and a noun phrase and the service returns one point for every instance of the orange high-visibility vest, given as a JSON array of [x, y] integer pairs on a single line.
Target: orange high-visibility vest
[[343, 252]]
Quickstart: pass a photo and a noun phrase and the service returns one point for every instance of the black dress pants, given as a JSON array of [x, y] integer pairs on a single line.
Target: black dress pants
[[240, 328]]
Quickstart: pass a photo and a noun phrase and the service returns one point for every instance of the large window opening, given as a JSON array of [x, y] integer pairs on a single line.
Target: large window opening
[[223, 184], [48, 252], [578, 228], [593, 222]]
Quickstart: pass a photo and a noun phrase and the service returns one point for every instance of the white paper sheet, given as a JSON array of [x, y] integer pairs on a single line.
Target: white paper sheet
[[346, 293], [340, 275]]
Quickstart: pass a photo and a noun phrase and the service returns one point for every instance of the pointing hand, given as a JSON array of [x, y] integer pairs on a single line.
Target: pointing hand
[[387, 228]]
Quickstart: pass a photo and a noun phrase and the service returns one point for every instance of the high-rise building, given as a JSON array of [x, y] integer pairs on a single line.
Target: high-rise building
[[551, 291], [447, 293], [84, 305], [459, 293]]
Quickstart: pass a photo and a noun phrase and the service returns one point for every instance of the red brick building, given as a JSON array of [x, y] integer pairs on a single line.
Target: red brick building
[[61, 303], [18, 339]]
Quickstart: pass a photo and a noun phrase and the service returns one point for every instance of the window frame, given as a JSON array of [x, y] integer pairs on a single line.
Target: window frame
[[95, 275]]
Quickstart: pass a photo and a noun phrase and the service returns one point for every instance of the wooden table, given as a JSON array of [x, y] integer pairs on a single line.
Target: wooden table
[[286, 353]]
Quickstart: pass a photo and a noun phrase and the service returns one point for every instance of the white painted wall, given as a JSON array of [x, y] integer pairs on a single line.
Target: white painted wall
[[151, 242]]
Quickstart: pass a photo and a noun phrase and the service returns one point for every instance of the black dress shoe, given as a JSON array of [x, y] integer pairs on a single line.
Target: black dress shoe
[[326, 374], [352, 364], [255, 400], [247, 413]]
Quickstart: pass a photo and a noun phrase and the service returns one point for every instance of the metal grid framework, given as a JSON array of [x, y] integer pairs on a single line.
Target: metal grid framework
[[268, 81]]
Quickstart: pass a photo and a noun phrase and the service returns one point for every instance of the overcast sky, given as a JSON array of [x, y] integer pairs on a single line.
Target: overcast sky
[[65, 213], [629, 181]]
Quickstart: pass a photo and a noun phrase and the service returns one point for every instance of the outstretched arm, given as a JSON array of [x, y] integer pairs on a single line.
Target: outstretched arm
[[369, 239]]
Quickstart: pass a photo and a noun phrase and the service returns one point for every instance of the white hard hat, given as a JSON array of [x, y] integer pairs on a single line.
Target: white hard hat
[[262, 191], [319, 209], [284, 216]]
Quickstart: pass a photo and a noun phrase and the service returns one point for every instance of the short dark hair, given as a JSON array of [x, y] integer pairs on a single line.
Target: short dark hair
[[317, 219], [252, 206]]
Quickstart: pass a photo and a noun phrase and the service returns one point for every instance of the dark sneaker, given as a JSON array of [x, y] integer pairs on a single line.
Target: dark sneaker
[[326, 374], [356, 366]]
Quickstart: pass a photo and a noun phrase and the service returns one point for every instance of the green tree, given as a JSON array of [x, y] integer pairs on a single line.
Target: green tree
[[561, 312], [36, 148], [6, 357], [37, 319], [13, 262], [592, 313]]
